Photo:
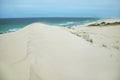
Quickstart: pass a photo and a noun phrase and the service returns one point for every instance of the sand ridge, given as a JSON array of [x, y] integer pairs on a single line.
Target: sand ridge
[[43, 52]]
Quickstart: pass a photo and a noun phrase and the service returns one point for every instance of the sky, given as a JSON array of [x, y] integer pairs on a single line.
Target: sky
[[59, 8]]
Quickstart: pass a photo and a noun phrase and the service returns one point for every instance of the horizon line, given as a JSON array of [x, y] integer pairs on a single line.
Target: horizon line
[[53, 17]]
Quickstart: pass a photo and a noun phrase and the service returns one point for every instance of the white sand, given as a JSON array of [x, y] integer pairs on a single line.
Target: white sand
[[42, 52], [103, 36]]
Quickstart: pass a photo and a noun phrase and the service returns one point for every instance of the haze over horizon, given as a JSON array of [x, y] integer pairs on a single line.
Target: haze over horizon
[[59, 8]]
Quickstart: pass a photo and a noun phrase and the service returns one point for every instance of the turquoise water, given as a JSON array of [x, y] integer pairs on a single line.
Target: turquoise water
[[13, 24]]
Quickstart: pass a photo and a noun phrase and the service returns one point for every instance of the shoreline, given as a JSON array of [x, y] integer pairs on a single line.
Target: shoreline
[[12, 24]]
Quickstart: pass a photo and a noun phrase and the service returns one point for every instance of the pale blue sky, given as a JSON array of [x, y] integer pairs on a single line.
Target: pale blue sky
[[59, 8]]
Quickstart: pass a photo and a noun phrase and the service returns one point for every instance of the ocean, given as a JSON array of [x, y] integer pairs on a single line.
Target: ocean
[[14, 24]]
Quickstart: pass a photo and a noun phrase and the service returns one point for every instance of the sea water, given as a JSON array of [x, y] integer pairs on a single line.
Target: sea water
[[13, 24]]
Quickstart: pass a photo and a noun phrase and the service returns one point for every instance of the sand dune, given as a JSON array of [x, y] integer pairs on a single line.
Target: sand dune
[[42, 52], [101, 35]]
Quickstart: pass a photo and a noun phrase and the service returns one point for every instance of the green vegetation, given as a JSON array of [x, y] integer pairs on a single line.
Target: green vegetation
[[104, 24]]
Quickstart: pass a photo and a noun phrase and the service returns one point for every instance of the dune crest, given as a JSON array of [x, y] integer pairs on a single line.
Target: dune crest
[[43, 52]]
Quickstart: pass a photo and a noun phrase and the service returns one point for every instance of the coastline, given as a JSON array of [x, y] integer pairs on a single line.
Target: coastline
[[14, 24], [39, 51]]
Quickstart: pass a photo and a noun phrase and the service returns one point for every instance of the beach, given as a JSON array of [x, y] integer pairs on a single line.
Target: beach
[[43, 52]]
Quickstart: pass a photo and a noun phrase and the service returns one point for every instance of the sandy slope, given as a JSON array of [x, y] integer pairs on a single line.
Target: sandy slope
[[105, 36], [42, 52]]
